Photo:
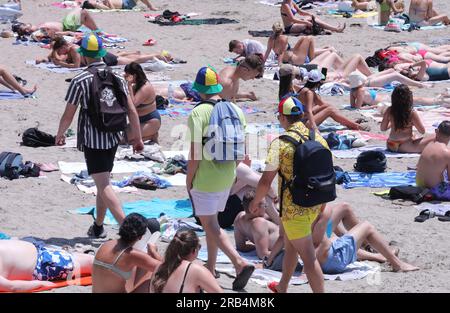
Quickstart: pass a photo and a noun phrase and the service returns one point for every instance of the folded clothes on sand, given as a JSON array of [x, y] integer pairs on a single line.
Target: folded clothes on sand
[[153, 208]]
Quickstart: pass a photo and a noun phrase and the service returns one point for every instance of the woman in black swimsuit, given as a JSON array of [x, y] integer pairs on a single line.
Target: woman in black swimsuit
[[179, 273], [143, 96]]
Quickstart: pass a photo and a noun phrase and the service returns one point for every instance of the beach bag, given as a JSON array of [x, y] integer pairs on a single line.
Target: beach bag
[[10, 165], [370, 162], [415, 194], [314, 178], [33, 137], [225, 137], [108, 103]]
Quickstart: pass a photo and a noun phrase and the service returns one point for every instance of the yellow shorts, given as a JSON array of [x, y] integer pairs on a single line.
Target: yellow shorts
[[300, 226]]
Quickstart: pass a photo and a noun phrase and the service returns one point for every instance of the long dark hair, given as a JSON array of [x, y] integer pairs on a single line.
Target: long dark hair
[[402, 105], [285, 86], [135, 69], [183, 244]]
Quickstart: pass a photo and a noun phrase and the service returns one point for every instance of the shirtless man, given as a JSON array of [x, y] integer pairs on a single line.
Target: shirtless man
[[25, 266], [422, 12], [250, 68], [265, 236], [435, 159]]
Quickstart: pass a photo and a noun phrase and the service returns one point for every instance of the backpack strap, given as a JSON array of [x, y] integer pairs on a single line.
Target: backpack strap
[[10, 159], [3, 156], [213, 103]]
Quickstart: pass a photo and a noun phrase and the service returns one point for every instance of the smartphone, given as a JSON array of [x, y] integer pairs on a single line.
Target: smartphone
[[324, 71]]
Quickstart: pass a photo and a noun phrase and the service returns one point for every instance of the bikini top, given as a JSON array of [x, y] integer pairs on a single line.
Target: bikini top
[[112, 267], [144, 105], [294, 11], [184, 279]]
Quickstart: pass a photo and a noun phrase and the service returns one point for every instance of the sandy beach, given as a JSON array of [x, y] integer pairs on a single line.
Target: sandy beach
[[39, 207]]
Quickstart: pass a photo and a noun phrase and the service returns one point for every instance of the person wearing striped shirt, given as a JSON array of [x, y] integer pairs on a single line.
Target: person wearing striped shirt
[[99, 147]]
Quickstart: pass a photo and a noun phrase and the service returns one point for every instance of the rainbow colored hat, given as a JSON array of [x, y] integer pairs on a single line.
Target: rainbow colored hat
[[207, 81], [290, 106], [92, 46]]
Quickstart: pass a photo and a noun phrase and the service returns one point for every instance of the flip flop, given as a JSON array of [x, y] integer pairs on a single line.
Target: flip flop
[[272, 287], [150, 42], [242, 278], [445, 218], [423, 216]]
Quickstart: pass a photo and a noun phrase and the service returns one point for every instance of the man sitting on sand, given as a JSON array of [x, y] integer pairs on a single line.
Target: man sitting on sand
[[250, 68], [26, 266], [264, 236], [422, 13], [434, 161]]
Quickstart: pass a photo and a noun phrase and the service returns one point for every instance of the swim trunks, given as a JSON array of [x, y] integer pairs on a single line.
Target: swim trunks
[[110, 59], [190, 93], [72, 21], [52, 264], [128, 4], [393, 145], [342, 253]]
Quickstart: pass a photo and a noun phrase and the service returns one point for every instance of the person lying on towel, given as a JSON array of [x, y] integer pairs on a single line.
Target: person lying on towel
[[115, 4], [26, 266]]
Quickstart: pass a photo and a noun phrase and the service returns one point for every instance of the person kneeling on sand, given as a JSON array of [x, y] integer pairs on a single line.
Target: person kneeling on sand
[[26, 266], [265, 236], [335, 255], [179, 273], [250, 68], [434, 162], [118, 263]]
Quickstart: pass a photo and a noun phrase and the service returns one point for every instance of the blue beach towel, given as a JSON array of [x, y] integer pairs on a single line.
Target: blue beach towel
[[152, 208], [11, 95], [4, 236], [405, 27], [379, 180]]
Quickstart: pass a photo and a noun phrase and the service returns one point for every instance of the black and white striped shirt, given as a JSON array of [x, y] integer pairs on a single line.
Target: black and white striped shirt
[[87, 134]]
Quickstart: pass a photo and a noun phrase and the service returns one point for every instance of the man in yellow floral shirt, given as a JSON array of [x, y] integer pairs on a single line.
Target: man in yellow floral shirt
[[298, 222]]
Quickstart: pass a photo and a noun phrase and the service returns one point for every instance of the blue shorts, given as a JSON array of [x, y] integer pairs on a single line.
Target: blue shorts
[[190, 93], [150, 116], [128, 4], [342, 253], [52, 264]]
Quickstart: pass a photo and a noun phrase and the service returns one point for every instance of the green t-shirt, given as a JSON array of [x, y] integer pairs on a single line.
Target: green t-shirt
[[211, 176]]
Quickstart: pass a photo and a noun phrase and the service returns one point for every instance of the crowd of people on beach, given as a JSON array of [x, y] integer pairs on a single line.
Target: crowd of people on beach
[[280, 225]]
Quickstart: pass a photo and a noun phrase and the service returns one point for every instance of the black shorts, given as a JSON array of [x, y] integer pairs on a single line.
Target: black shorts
[[110, 59], [99, 161]]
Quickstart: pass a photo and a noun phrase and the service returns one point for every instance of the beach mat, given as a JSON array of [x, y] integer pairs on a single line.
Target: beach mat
[[380, 180], [4, 236], [83, 281], [11, 95], [120, 167], [53, 68], [405, 27], [149, 209], [353, 153], [337, 13], [260, 33], [197, 21]]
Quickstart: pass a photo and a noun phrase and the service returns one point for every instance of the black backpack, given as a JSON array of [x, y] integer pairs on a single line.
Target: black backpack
[[314, 178], [108, 103], [10, 165], [415, 194], [371, 162], [33, 137]]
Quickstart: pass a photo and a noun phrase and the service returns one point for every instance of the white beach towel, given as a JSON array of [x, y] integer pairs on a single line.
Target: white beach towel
[[250, 257], [53, 68], [353, 153], [120, 167], [93, 190]]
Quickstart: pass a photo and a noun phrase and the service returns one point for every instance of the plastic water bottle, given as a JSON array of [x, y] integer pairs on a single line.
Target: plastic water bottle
[[170, 92]]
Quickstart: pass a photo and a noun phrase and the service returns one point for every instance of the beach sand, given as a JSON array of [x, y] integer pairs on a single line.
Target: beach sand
[[39, 207]]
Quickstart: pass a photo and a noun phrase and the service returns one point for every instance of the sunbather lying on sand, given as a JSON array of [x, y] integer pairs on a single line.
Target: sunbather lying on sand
[[434, 162], [66, 54], [25, 266], [8, 80], [401, 118], [69, 25], [115, 4], [364, 98], [364, 5]]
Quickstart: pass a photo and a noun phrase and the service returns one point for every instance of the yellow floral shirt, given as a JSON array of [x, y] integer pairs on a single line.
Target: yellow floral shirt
[[281, 157]]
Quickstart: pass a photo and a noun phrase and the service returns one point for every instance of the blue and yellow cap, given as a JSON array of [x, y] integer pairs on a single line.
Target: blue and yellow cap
[[290, 106], [92, 46], [207, 81]]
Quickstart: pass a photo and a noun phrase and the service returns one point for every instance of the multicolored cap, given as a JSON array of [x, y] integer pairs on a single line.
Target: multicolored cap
[[290, 106], [207, 81], [92, 46]]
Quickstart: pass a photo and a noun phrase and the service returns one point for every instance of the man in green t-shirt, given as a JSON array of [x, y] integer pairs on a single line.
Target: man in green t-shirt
[[209, 182]]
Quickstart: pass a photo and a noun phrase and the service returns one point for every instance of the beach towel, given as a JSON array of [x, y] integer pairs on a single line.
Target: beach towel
[[12, 95], [363, 134], [204, 21], [4, 236], [251, 110], [120, 167], [54, 68], [354, 152], [260, 33], [171, 208], [380, 180], [176, 112], [405, 27], [337, 13], [83, 281], [90, 188], [250, 257]]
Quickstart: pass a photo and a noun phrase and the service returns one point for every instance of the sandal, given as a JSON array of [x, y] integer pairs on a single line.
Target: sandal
[[272, 286], [150, 42]]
